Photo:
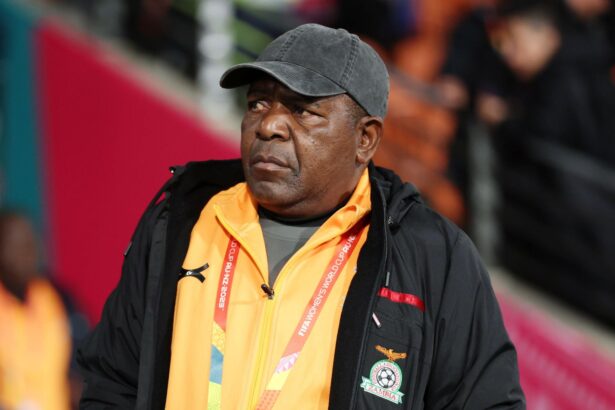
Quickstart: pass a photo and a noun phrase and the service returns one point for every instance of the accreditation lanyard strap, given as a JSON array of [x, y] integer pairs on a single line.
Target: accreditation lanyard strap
[[302, 331], [218, 334], [307, 322]]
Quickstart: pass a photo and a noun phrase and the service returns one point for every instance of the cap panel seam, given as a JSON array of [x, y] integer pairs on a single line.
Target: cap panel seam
[[349, 68], [288, 43]]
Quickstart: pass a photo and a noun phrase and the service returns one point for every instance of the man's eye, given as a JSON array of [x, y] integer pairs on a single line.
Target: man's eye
[[256, 105], [302, 112]]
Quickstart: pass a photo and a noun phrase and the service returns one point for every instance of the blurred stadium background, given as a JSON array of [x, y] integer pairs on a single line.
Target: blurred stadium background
[[501, 113]]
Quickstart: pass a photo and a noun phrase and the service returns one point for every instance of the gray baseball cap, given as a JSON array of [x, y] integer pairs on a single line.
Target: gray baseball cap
[[318, 61]]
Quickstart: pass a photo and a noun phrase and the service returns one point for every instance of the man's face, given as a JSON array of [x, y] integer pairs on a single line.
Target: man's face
[[299, 153]]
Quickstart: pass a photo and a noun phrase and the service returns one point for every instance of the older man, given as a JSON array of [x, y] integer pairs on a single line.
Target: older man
[[301, 276]]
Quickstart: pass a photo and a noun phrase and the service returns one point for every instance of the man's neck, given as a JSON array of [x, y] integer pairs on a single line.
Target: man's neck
[[313, 220]]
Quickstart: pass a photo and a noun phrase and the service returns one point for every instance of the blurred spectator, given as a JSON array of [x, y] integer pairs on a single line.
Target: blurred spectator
[[469, 58], [556, 150], [34, 332], [565, 94], [166, 29], [79, 328], [419, 128], [384, 21], [539, 73], [588, 9], [588, 30], [473, 76], [528, 37]]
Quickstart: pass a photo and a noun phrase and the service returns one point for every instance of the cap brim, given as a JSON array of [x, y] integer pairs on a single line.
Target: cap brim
[[299, 79]]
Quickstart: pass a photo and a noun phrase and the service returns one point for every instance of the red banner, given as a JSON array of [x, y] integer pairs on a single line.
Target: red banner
[[108, 142]]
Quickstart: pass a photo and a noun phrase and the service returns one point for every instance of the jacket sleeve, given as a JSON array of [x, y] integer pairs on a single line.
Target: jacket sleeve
[[109, 356], [474, 364]]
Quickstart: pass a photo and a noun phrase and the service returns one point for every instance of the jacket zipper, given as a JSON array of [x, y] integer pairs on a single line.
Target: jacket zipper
[[266, 320], [265, 339], [367, 321], [262, 352]]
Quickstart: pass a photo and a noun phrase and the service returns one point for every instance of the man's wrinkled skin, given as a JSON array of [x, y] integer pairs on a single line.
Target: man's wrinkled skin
[[303, 156]]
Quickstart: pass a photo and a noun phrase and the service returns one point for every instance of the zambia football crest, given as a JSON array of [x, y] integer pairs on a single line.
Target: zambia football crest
[[385, 377]]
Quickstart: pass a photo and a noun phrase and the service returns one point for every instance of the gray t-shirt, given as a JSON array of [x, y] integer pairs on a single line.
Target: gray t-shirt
[[283, 238]]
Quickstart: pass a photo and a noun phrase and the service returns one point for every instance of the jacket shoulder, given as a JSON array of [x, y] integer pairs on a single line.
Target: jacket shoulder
[[220, 173], [436, 252]]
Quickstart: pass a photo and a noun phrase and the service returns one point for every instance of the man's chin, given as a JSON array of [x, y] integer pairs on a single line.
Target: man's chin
[[270, 193]]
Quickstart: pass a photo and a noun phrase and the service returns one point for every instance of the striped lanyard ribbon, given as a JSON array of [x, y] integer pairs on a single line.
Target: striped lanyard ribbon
[[301, 333], [218, 333]]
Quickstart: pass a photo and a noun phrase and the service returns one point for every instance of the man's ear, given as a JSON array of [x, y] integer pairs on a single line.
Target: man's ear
[[370, 132]]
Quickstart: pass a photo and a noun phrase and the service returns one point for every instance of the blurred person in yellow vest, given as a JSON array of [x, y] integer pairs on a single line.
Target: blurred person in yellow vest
[[34, 332]]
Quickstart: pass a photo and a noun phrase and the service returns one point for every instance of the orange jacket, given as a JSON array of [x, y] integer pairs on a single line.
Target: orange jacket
[[258, 328]]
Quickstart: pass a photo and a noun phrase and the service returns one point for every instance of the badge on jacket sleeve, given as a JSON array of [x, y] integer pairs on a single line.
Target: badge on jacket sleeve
[[385, 377]]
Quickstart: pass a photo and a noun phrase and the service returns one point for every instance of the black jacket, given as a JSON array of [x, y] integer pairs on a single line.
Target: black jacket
[[459, 355]]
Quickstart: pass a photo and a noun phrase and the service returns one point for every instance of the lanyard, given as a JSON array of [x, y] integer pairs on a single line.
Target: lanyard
[[301, 333], [310, 315], [218, 336]]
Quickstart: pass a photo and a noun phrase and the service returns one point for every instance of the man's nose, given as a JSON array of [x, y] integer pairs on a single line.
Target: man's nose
[[274, 123]]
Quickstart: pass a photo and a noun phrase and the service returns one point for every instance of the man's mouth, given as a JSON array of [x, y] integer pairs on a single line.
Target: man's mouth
[[268, 163]]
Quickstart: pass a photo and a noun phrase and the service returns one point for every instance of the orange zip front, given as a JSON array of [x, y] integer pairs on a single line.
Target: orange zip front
[[258, 328], [263, 351], [264, 354], [262, 360], [264, 332]]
